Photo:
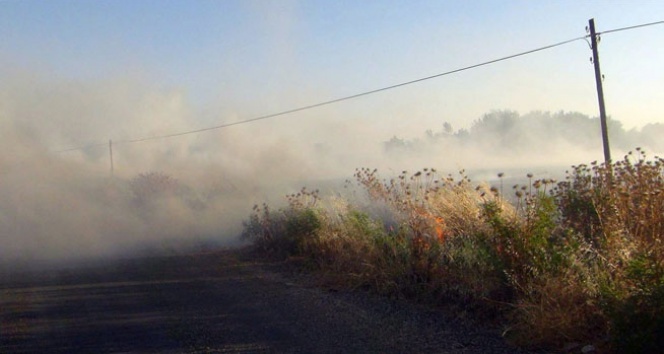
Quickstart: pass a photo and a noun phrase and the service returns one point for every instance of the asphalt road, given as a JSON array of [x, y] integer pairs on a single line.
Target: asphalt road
[[221, 302]]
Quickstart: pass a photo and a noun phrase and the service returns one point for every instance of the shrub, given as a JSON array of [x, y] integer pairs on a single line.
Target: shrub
[[571, 264], [290, 231], [637, 312], [264, 228], [301, 231], [151, 188], [147, 187]]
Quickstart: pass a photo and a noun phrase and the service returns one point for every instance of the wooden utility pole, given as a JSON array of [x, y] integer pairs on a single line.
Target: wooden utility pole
[[110, 152], [600, 91]]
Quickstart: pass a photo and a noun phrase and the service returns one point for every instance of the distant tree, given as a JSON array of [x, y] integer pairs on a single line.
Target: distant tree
[[152, 187], [542, 130], [395, 144], [447, 128], [462, 134], [149, 186]]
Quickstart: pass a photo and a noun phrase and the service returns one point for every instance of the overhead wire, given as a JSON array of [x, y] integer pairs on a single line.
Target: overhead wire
[[631, 27], [85, 147], [366, 93], [320, 104], [299, 109]]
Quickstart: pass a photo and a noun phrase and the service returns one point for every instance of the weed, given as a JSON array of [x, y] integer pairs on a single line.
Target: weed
[[569, 261]]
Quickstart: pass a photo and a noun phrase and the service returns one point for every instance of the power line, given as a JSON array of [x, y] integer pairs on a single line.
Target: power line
[[299, 109], [631, 27], [81, 147], [325, 103]]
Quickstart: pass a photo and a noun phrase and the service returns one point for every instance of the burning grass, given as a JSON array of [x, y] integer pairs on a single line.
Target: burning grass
[[579, 260]]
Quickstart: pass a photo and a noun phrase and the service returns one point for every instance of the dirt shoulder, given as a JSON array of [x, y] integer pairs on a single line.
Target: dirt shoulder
[[227, 301]]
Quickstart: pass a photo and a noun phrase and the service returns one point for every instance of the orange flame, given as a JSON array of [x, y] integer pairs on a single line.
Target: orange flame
[[437, 223]]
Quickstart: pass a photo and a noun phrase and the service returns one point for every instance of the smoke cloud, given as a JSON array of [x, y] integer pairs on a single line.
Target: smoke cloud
[[193, 191], [163, 195]]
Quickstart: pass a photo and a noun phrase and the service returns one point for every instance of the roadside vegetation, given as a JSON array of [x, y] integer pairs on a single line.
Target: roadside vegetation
[[557, 264]]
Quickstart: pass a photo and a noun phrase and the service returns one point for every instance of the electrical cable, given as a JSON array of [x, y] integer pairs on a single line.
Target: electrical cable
[[320, 104], [631, 27], [299, 109], [81, 147]]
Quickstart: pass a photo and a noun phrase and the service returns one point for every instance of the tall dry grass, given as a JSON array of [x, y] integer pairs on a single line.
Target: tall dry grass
[[579, 260]]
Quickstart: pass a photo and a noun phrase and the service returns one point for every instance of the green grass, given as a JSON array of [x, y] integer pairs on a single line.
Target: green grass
[[580, 260]]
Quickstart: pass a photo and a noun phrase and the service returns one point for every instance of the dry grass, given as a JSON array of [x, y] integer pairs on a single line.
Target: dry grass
[[574, 261]]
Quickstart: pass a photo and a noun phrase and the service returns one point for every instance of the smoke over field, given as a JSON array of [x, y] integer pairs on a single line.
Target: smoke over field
[[194, 190], [163, 195]]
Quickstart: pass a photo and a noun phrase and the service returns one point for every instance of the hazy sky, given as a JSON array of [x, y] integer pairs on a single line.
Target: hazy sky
[[233, 60]]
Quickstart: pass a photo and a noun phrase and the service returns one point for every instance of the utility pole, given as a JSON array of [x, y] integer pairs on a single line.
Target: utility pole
[[110, 152], [600, 91]]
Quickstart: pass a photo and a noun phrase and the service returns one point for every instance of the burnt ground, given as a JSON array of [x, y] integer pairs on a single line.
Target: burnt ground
[[218, 302]]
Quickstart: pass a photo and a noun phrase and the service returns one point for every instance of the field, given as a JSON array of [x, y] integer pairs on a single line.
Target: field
[[557, 265]]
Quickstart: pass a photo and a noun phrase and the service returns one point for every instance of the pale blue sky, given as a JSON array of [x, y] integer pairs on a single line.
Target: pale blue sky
[[247, 58]]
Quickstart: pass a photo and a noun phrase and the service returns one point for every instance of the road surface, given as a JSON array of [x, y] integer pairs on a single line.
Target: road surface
[[218, 302]]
